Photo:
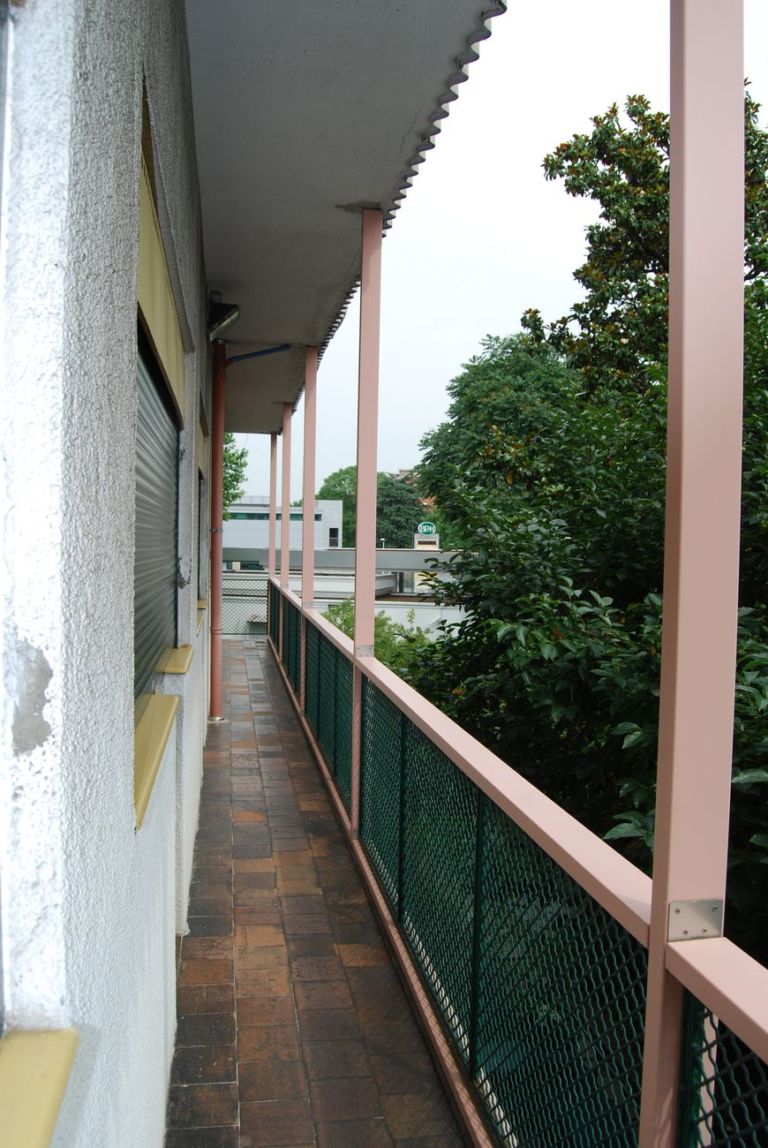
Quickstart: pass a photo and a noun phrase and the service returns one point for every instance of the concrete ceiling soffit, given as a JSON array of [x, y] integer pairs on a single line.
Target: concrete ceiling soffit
[[304, 115]]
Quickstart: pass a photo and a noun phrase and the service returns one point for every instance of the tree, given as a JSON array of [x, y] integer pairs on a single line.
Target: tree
[[235, 463], [398, 506], [617, 335], [551, 464], [342, 484]]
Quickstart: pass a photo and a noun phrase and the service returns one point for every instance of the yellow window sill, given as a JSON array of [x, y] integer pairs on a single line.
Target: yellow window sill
[[34, 1070], [202, 603], [200, 620], [175, 660], [150, 739]]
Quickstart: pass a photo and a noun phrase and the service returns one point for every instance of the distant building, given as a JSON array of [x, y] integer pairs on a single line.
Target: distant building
[[248, 524]]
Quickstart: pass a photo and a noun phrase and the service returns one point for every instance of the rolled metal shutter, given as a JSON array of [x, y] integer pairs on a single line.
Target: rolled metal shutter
[[155, 556]]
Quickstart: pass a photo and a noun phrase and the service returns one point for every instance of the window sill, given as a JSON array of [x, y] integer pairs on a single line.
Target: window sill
[[175, 660], [34, 1070], [150, 739], [202, 603]]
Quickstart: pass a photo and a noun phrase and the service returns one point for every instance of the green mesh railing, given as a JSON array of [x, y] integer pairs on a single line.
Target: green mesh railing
[[292, 644], [328, 707], [724, 1085], [541, 990], [274, 613]]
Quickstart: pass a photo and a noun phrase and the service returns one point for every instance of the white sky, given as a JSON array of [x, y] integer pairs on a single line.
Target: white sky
[[481, 235]]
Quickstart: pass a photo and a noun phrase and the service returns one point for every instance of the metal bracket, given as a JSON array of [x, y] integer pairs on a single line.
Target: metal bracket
[[694, 920], [363, 651]]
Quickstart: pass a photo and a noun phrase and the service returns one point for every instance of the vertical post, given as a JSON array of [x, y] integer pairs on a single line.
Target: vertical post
[[703, 511], [308, 499], [308, 492], [285, 510], [217, 524], [272, 561], [367, 427]]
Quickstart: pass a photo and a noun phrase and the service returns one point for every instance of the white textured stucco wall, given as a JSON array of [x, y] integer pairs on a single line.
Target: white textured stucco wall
[[88, 904]]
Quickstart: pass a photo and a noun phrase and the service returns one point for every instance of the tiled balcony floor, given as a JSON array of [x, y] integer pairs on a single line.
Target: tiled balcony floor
[[293, 1027]]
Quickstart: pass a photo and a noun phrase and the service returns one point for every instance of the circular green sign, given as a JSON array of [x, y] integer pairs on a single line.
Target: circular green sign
[[426, 528]]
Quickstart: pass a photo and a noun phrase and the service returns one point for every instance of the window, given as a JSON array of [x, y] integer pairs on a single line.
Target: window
[[333, 537], [155, 554]]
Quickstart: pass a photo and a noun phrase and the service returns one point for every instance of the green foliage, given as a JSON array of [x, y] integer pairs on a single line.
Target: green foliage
[[617, 335], [235, 463], [398, 506], [550, 467], [342, 484], [398, 647]]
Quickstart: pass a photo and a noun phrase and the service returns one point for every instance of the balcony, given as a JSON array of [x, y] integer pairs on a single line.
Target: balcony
[[521, 939]]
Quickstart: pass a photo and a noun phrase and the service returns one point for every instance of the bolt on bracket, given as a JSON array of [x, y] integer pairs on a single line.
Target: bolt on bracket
[[694, 920]]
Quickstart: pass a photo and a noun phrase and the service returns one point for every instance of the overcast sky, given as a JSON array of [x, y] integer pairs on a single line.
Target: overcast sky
[[481, 236]]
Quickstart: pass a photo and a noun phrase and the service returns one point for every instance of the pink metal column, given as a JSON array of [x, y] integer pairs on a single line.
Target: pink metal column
[[272, 562], [367, 428], [367, 434], [217, 524], [285, 520], [703, 496], [308, 498], [308, 492]]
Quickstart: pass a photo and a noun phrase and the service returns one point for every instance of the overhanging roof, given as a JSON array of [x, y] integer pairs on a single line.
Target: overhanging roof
[[304, 114]]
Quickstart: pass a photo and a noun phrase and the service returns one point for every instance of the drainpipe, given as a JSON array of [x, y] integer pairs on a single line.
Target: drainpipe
[[217, 525]]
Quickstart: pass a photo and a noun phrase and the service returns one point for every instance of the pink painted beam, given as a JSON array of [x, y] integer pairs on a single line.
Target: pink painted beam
[[308, 493], [272, 562], [217, 525], [703, 507], [285, 521], [367, 427]]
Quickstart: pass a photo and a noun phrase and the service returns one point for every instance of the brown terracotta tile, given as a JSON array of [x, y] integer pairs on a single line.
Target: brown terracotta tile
[[354, 1098], [268, 958], [268, 1042], [206, 1028], [254, 865], [405, 1072], [354, 1134], [259, 937], [327, 1059], [194, 948], [202, 1105], [322, 995], [410, 1115], [269, 1125], [327, 968], [329, 1024], [202, 1138], [306, 925], [354, 956], [262, 982], [213, 1063], [265, 1011], [209, 927], [205, 999], [315, 945], [298, 904], [206, 972], [272, 1080]]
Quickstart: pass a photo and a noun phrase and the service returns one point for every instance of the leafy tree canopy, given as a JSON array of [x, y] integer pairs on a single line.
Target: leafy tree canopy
[[551, 466], [235, 463], [398, 507]]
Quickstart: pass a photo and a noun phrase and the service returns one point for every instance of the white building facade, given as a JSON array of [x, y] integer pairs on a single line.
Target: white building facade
[[248, 524]]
